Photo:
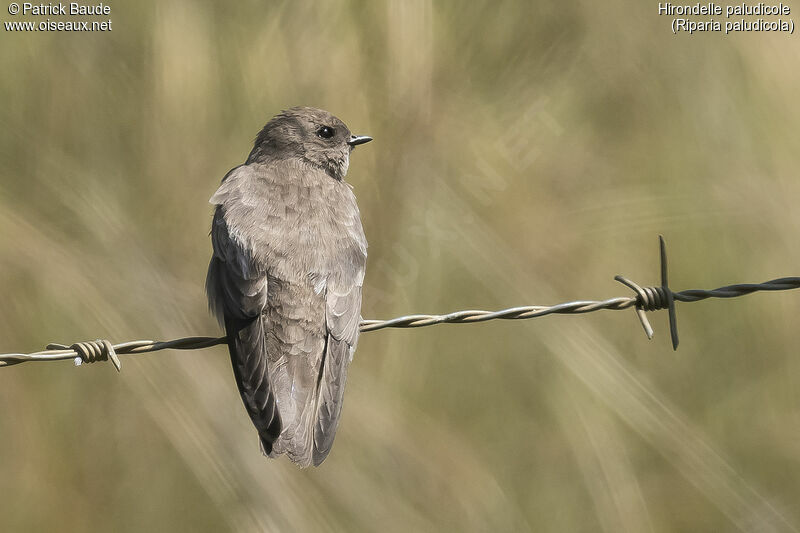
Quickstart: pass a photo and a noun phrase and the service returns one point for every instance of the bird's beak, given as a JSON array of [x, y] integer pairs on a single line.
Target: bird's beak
[[355, 140]]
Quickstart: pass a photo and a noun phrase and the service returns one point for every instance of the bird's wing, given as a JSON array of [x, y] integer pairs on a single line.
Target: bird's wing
[[237, 294], [342, 317]]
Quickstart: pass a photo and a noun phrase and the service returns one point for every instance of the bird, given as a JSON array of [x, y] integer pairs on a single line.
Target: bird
[[285, 279]]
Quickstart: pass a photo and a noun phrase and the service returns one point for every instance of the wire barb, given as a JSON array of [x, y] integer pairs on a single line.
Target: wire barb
[[645, 299], [91, 352], [655, 298]]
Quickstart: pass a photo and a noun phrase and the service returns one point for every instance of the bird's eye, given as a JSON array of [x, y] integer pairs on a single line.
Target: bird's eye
[[326, 132]]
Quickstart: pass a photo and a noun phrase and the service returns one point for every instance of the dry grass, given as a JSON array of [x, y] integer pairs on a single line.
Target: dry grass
[[522, 155]]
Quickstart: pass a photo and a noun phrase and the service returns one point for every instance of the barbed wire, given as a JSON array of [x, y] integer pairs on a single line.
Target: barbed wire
[[643, 300]]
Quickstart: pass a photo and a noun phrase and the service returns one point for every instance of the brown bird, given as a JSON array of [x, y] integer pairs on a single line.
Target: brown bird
[[285, 279]]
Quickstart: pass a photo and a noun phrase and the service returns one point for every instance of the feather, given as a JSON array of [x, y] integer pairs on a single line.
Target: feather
[[237, 295]]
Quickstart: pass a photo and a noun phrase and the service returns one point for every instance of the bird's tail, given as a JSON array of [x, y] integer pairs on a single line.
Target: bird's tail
[[311, 403]]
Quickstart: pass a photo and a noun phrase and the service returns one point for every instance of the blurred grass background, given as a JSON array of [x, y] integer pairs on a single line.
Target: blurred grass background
[[523, 154]]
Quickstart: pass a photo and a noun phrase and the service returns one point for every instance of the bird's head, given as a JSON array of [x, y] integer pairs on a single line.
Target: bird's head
[[312, 135]]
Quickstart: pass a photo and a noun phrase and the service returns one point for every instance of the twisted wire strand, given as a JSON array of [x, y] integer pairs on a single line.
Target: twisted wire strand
[[732, 291], [646, 299]]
